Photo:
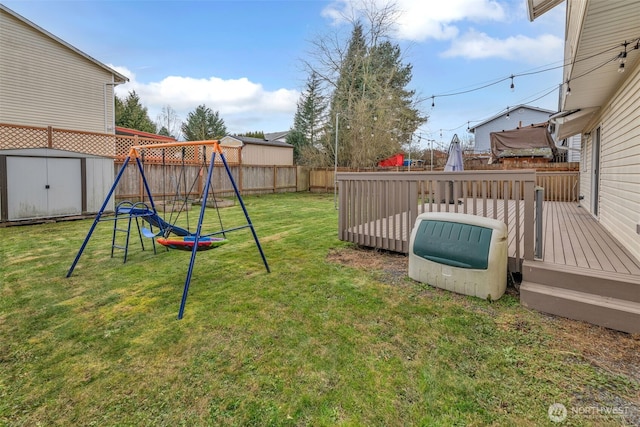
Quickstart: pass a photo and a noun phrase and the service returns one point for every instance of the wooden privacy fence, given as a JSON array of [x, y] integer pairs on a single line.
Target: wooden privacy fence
[[379, 210], [168, 181]]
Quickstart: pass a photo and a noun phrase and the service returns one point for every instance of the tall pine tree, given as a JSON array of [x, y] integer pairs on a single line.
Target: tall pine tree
[[203, 124], [309, 120]]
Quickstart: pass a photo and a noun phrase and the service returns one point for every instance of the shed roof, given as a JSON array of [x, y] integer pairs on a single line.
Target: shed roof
[[259, 141]]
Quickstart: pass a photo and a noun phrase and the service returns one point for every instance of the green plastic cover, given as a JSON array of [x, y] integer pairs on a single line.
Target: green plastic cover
[[453, 243]]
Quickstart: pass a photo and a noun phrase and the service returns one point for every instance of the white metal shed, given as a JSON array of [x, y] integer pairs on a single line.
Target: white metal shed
[[41, 183]]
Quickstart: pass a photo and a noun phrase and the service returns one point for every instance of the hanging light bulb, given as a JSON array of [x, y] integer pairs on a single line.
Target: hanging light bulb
[[621, 68], [507, 116], [513, 87], [622, 58], [433, 101], [467, 126]]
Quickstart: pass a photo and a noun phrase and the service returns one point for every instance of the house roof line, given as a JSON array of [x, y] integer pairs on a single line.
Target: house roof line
[[258, 141], [514, 108], [119, 77]]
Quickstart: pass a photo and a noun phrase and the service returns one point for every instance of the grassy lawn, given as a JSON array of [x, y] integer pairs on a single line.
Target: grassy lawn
[[314, 342]]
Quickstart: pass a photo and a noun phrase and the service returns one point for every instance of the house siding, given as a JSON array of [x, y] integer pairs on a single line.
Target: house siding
[[519, 117], [44, 83], [619, 205], [267, 155]]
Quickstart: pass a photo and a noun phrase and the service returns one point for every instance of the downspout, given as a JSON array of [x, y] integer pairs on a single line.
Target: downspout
[[106, 108]]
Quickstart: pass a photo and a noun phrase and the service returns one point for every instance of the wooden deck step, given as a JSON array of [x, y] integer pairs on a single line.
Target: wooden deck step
[[598, 282], [609, 312], [603, 298]]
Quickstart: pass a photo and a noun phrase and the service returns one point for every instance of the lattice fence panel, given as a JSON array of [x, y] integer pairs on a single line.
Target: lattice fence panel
[[17, 137], [98, 144], [172, 155]]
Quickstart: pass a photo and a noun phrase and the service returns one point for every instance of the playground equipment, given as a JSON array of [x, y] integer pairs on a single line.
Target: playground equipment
[[186, 240]]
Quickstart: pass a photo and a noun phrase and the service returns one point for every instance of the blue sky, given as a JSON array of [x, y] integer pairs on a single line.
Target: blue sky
[[244, 58]]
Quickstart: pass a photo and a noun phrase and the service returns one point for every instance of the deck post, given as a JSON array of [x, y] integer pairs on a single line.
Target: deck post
[[529, 220], [539, 219]]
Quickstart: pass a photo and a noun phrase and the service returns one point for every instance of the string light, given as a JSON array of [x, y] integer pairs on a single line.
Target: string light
[[621, 56], [507, 117]]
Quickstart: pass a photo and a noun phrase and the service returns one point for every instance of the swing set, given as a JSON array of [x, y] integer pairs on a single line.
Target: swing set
[[169, 234]]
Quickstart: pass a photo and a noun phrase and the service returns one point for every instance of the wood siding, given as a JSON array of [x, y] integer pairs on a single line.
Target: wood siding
[[44, 82], [620, 165], [253, 154]]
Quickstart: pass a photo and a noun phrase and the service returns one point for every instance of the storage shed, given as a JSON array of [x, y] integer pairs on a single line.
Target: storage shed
[[260, 152], [43, 183]]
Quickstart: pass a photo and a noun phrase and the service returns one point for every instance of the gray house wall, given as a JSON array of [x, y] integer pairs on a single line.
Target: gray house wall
[[518, 117]]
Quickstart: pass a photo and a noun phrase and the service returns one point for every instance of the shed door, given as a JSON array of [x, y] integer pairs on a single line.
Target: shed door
[[39, 187]]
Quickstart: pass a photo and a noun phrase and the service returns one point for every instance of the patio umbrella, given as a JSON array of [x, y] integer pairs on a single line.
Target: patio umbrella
[[454, 162]]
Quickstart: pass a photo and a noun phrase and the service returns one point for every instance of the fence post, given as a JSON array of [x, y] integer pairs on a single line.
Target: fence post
[[539, 210], [275, 178]]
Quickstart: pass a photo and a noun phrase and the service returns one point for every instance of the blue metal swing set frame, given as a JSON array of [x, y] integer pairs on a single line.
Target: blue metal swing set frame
[[196, 238]]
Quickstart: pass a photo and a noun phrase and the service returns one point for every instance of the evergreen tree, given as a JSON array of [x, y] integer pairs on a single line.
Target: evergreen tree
[[257, 134], [376, 111], [203, 124], [371, 105], [131, 114], [309, 120], [164, 132]]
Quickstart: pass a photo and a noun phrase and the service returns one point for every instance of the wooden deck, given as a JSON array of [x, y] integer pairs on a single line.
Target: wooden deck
[[573, 237], [584, 272]]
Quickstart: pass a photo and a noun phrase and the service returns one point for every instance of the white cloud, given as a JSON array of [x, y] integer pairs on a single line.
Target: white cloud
[[420, 20], [545, 48], [244, 105]]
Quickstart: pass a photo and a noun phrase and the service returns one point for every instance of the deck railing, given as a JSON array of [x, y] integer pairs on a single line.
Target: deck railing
[[379, 209]]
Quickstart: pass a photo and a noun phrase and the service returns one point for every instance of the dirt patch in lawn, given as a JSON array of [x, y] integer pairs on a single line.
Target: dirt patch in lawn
[[614, 352]]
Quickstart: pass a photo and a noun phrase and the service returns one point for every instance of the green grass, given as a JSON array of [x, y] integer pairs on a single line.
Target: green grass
[[312, 343]]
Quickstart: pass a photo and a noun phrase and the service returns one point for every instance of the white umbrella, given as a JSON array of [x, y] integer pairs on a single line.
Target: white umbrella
[[454, 162]]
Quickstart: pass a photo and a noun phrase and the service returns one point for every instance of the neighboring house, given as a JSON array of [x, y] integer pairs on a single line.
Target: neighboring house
[[572, 144], [518, 116], [48, 87], [602, 76], [47, 82], [261, 152], [277, 136]]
